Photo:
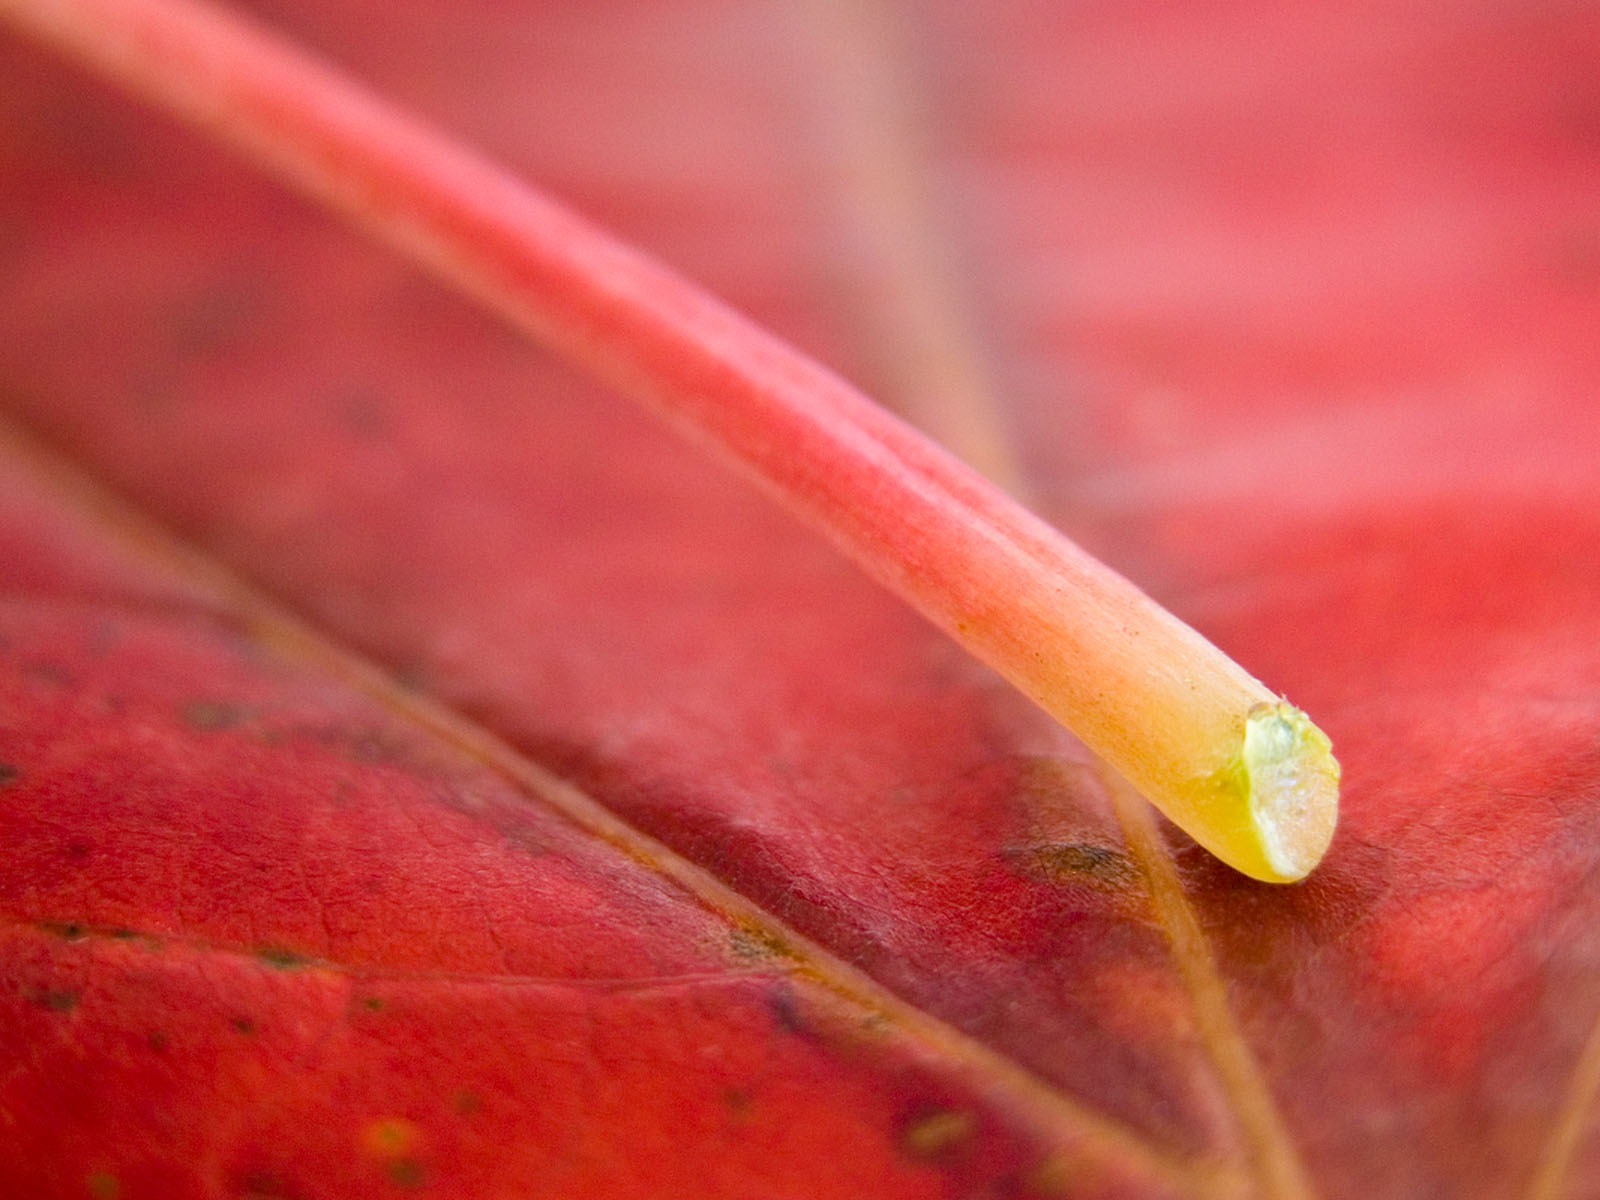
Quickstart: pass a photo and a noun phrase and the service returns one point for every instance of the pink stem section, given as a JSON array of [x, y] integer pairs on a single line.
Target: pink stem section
[[1159, 702]]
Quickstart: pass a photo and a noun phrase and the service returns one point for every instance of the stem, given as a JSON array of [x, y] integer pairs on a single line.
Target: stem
[[1248, 776]]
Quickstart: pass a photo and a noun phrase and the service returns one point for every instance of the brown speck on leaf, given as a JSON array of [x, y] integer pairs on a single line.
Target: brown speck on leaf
[[214, 317], [394, 1140], [414, 675], [877, 1023], [1099, 867], [9, 774], [752, 942], [406, 1173], [265, 1185], [48, 674], [243, 1025], [56, 1000], [284, 960], [785, 1008]]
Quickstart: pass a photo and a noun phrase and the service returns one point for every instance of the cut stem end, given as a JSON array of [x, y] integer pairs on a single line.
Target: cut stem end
[[1293, 782]]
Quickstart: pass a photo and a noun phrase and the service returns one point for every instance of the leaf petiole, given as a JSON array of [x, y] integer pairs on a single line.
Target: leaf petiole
[[1247, 775]]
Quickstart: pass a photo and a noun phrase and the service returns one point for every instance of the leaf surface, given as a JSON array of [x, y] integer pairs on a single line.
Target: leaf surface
[[673, 855]]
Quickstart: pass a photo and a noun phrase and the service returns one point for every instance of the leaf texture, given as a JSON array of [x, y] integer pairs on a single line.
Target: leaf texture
[[669, 855]]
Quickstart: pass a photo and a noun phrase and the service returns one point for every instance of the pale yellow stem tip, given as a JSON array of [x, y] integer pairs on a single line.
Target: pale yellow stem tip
[[1293, 782]]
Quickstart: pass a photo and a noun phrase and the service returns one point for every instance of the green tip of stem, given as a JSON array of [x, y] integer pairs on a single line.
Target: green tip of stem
[[1293, 782]]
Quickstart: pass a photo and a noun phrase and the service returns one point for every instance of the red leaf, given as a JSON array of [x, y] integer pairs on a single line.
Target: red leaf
[[1292, 312]]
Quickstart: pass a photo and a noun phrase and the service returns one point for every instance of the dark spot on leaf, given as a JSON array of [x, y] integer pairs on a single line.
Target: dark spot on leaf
[[265, 1185], [406, 1173], [243, 1025], [466, 1104], [69, 932], [373, 1004], [212, 716], [122, 935], [158, 1041], [56, 1000], [1099, 867], [785, 1007], [9, 773], [284, 960], [49, 674], [213, 318], [415, 675], [756, 942], [393, 1140], [938, 1134], [102, 1185], [876, 1022], [78, 848], [738, 1101]]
